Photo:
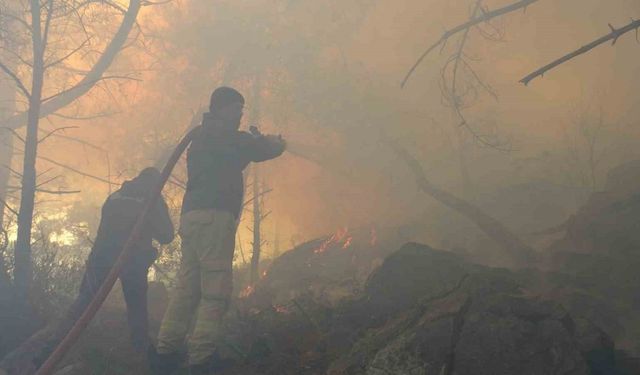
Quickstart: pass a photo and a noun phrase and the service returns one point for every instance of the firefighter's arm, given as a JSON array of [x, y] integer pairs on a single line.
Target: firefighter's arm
[[162, 226], [266, 147]]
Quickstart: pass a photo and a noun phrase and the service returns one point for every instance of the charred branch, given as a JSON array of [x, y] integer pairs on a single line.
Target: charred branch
[[613, 36], [521, 253], [484, 17]]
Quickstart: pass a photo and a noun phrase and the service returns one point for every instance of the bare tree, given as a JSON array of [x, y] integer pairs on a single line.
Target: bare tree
[[50, 26], [8, 96], [258, 193]]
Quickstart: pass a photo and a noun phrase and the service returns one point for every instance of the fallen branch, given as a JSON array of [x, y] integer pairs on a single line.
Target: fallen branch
[[522, 254], [486, 16], [613, 35]]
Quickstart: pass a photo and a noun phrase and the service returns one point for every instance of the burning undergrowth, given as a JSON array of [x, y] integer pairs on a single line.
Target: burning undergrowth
[[329, 269]]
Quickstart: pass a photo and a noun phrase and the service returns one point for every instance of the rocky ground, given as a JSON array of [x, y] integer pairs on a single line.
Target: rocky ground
[[361, 303]]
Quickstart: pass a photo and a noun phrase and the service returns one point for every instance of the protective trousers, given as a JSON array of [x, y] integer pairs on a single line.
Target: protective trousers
[[204, 285]]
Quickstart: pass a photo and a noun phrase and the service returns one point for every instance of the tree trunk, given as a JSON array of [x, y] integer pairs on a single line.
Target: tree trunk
[[522, 255], [257, 218], [6, 153], [23, 267], [257, 214], [8, 95]]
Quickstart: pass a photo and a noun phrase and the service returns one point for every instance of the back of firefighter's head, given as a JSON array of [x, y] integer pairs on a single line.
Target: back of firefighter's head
[[227, 105], [148, 177]]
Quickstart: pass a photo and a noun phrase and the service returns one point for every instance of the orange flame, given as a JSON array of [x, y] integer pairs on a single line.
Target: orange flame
[[340, 238], [347, 243], [246, 292]]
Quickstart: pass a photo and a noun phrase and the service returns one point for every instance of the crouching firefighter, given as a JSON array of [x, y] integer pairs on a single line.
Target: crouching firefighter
[[210, 211], [119, 214]]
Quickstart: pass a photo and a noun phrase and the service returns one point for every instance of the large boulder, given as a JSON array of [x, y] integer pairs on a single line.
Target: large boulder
[[436, 314]]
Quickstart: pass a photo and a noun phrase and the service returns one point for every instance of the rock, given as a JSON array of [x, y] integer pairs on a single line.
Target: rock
[[331, 269], [436, 314]]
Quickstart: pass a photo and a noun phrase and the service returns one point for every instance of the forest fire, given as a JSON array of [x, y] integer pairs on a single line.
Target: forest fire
[[376, 206], [341, 238]]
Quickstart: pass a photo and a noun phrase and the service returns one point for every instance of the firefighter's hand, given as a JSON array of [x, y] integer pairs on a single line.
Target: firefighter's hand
[[277, 141]]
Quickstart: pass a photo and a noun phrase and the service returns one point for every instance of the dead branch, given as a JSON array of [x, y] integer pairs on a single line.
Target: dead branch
[[486, 16], [48, 181], [72, 169], [16, 173], [4, 203], [613, 36], [258, 196], [147, 3], [58, 192], [173, 181], [84, 118], [456, 99], [15, 133], [522, 254], [68, 55], [17, 80], [54, 131], [90, 83]]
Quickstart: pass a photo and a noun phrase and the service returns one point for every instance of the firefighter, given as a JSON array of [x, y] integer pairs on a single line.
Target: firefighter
[[211, 208], [119, 214]]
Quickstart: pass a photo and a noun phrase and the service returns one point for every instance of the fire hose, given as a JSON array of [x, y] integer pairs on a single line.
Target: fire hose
[[152, 198]]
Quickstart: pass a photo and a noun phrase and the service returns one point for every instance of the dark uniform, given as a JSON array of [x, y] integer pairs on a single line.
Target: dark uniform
[[119, 214]]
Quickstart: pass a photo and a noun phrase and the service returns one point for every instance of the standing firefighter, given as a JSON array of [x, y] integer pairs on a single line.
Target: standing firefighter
[[210, 211], [119, 214]]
